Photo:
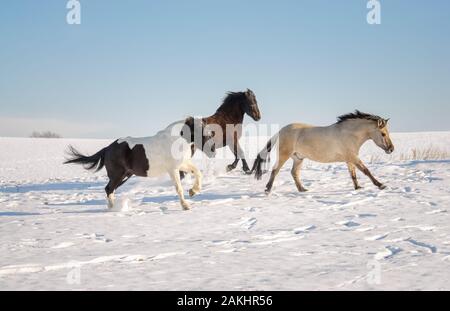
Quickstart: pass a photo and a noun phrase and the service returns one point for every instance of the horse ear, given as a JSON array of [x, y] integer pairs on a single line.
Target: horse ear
[[189, 122], [381, 123]]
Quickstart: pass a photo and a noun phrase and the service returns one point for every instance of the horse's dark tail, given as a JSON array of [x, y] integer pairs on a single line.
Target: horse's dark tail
[[94, 162], [262, 157]]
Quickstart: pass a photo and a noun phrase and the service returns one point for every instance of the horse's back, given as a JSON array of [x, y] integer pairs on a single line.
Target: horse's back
[[133, 141], [293, 130], [318, 143], [155, 152], [297, 126], [158, 144], [122, 157]]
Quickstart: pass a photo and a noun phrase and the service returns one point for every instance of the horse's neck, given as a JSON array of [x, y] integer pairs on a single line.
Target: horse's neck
[[356, 130], [232, 115]]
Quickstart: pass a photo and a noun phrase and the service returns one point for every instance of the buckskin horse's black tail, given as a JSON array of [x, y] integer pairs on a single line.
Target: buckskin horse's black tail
[[262, 157], [94, 162]]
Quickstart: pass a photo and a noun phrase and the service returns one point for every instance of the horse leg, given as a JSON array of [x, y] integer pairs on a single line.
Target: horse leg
[[296, 174], [282, 158], [234, 148], [175, 175], [233, 165], [182, 173], [197, 187], [109, 189], [245, 166], [125, 178], [360, 165], [240, 154], [352, 171], [116, 179]]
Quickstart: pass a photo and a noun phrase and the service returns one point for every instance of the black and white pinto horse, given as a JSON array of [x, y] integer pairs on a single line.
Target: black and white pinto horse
[[169, 151]]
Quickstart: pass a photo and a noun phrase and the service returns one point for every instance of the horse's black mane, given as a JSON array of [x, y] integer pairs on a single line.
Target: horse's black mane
[[230, 100], [358, 115]]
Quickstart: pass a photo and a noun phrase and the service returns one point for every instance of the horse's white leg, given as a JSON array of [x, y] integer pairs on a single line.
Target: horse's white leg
[[360, 165], [114, 181], [198, 179], [352, 171], [111, 200], [182, 173], [175, 175], [296, 174]]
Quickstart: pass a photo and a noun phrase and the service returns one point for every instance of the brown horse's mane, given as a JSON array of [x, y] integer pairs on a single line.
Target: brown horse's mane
[[230, 101], [358, 115]]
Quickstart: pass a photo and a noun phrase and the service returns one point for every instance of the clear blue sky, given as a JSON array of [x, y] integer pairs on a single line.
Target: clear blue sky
[[132, 67]]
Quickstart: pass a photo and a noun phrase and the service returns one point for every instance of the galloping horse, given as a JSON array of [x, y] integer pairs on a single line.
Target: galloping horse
[[230, 115], [169, 151], [339, 142]]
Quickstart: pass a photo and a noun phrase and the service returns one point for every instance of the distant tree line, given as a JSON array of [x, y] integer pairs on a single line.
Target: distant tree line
[[44, 134]]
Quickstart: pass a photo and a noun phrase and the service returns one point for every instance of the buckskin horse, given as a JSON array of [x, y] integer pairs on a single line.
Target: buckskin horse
[[339, 142]]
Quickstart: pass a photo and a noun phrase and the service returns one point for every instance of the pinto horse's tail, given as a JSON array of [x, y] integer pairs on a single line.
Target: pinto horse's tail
[[262, 157], [94, 162]]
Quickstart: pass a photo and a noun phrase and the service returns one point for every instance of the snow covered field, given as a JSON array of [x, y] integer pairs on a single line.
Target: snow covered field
[[56, 233]]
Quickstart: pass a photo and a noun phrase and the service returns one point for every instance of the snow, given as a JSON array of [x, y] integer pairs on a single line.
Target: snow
[[56, 232]]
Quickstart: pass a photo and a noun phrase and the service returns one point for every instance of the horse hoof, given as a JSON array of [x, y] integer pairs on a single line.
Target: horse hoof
[[110, 205], [303, 190], [358, 188], [186, 207], [192, 192], [230, 168], [382, 187]]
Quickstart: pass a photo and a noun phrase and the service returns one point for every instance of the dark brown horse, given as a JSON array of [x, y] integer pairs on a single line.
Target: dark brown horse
[[229, 117]]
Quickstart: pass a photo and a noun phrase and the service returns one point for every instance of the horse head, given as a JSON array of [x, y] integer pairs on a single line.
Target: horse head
[[380, 135], [250, 105]]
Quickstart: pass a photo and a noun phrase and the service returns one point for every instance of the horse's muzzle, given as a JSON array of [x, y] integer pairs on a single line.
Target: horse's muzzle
[[257, 117], [390, 149]]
